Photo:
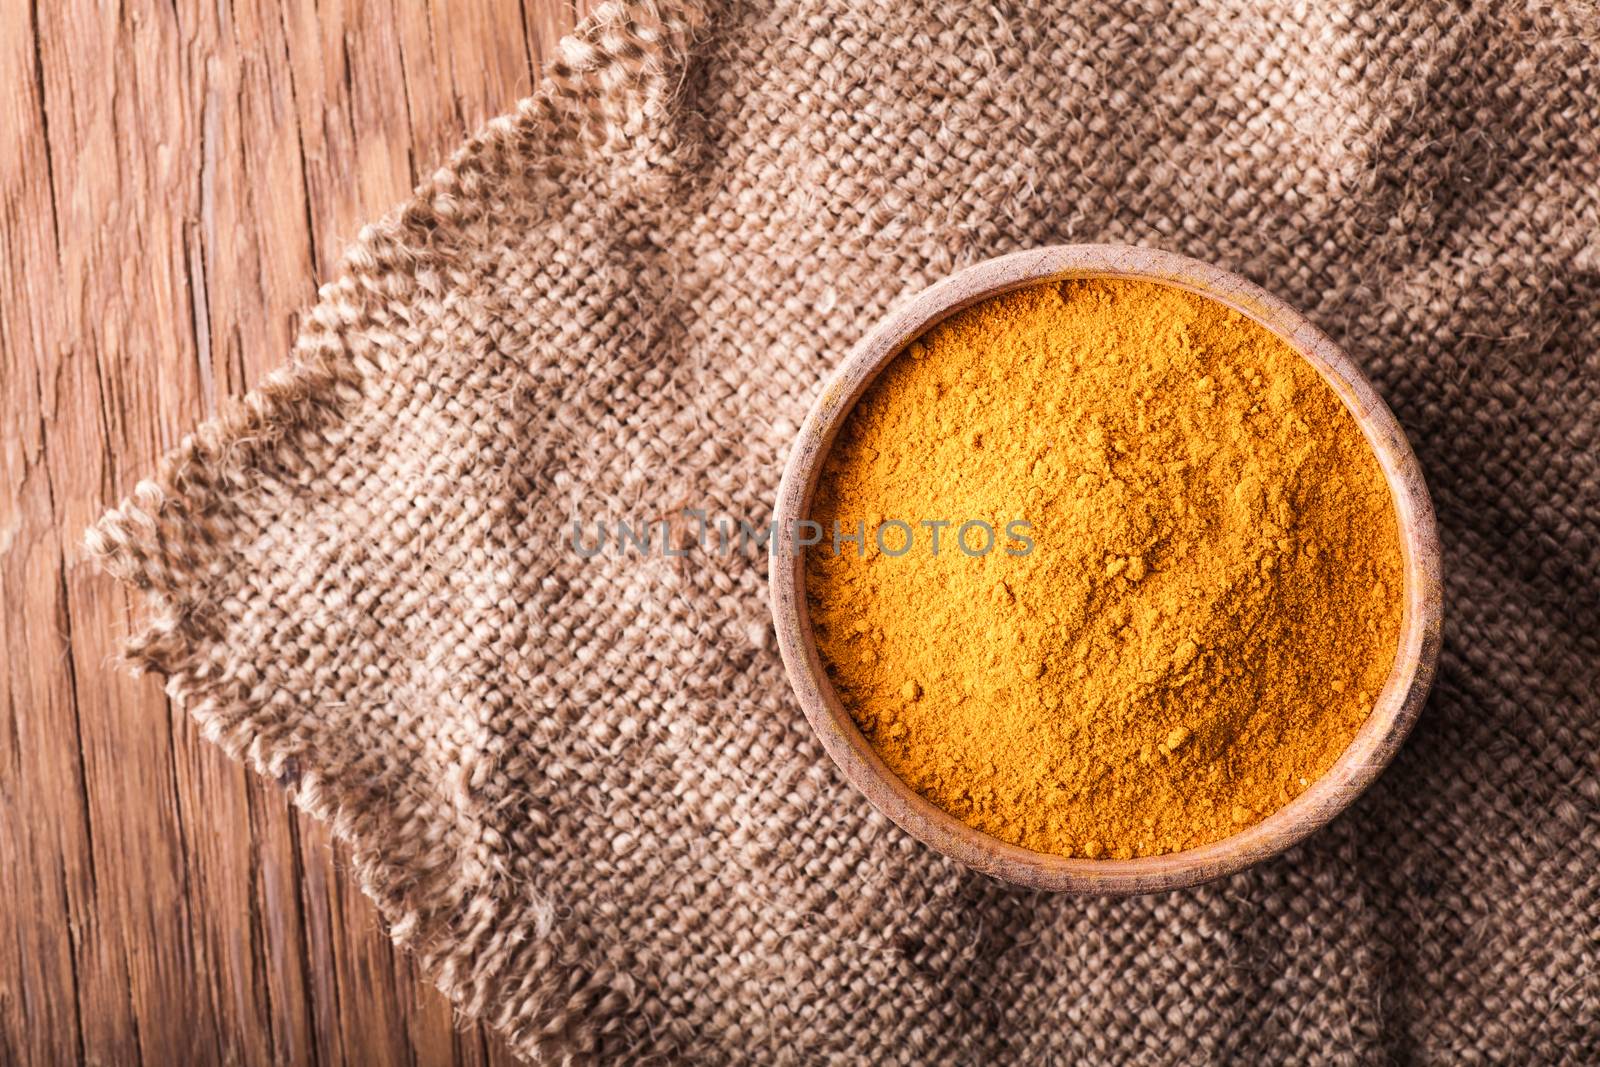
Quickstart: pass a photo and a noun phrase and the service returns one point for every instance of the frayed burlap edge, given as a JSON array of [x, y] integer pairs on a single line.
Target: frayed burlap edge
[[615, 75]]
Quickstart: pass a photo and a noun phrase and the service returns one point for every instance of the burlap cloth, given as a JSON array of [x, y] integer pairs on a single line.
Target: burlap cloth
[[580, 790]]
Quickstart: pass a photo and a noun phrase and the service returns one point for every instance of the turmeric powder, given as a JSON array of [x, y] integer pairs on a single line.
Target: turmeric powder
[[1210, 597]]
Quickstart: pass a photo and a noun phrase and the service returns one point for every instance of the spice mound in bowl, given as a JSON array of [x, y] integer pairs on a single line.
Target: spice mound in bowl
[[1108, 570]]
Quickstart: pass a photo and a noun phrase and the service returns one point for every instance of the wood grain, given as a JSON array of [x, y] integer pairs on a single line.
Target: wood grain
[[177, 177]]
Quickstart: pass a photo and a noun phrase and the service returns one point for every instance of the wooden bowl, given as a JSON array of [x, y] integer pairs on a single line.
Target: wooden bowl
[[1374, 744]]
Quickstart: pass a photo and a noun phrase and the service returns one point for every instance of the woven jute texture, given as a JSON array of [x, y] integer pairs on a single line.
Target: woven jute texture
[[579, 789]]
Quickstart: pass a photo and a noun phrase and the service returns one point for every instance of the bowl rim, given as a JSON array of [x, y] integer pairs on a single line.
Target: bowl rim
[[1369, 752]]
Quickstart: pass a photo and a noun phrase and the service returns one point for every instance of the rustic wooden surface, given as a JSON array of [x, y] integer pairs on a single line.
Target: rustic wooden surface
[[177, 179]]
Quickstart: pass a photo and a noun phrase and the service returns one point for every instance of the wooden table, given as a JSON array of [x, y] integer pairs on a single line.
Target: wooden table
[[177, 178]]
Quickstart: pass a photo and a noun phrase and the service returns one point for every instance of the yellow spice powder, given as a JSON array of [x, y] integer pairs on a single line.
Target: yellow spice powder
[[1193, 623]]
